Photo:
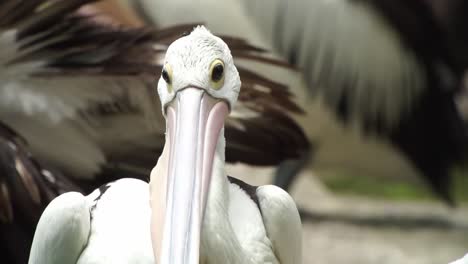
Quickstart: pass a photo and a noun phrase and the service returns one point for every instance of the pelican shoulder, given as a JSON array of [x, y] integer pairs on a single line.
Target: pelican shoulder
[[62, 231], [282, 223]]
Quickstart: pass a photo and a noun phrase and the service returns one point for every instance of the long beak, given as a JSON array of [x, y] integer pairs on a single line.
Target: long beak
[[181, 179]]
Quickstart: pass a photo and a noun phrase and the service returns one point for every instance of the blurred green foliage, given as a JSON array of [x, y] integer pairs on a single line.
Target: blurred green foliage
[[394, 189]]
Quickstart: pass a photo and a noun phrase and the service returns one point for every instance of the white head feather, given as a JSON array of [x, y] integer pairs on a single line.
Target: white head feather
[[190, 58]]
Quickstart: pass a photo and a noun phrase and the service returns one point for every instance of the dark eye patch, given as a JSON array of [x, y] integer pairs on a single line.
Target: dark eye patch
[[217, 72], [165, 76]]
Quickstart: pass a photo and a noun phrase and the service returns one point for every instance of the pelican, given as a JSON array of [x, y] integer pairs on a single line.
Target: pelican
[[191, 212], [391, 70], [77, 110]]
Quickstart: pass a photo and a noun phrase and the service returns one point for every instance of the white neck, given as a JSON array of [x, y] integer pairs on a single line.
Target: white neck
[[219, 243]]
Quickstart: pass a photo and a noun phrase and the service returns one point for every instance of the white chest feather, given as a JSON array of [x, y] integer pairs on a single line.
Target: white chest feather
[[120, 226], [236, 234], [120, 231], [247, 223]]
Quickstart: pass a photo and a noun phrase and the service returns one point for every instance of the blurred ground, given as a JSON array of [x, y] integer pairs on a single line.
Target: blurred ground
[[350, 229]]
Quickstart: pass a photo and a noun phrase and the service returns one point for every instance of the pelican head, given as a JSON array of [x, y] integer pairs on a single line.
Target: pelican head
[[199, 85]]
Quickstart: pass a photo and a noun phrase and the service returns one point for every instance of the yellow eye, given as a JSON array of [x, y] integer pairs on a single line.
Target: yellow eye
[[217, 74], [166, 74]]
